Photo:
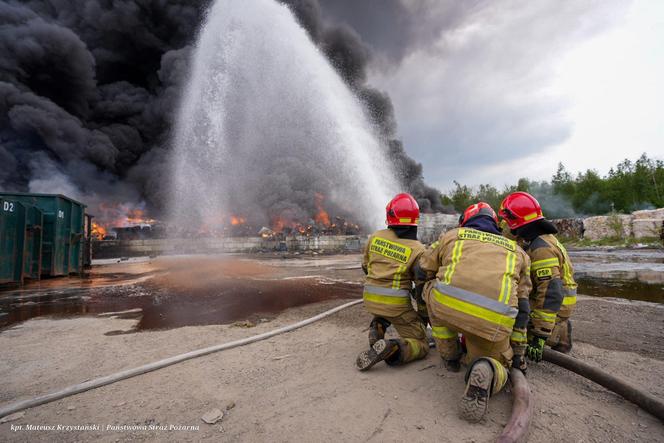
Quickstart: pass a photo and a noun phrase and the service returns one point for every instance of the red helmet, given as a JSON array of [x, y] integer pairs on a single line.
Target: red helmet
[[520, 208], [402, 210], [480, 208]]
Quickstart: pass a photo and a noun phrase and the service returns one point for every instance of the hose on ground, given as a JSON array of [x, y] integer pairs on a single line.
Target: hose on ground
[[642, 399], [516, 429], [122, 375]]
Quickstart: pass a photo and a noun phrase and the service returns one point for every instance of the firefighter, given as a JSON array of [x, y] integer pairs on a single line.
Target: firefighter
[[554, 290], [479, 288], [388, 264]]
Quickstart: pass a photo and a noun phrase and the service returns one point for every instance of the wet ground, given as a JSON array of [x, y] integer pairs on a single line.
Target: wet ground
[[622, 273], [171, 292]]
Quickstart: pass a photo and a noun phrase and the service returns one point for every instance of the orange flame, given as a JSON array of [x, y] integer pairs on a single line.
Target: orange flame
[[237, 220], [98, 231], [322, 216], [117, 215], [137, 216]]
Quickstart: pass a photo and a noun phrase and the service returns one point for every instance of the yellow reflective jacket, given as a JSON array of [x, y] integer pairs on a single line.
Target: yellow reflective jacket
[[554, 291], [482, 284], [388, 261]]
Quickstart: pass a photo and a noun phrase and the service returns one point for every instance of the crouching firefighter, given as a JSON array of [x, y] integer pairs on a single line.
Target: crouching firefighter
[[480, 289], [554, 294], [388, 264]]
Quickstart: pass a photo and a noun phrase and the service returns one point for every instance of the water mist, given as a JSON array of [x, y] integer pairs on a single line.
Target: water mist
[[266, 127]]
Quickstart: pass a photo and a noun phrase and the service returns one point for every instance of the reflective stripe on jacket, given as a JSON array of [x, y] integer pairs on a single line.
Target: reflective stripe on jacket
[[554, 288], [479, 278], [389, 262]]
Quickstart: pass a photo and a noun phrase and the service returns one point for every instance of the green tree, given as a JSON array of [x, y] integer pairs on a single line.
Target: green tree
[[461, 197], [627, 187], [563, 183]]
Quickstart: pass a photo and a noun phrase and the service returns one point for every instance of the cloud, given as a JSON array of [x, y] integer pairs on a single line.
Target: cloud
[[472, 82]]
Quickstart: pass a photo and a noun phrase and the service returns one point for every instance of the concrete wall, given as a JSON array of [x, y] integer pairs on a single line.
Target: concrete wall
[[431, 225], [134, 248]]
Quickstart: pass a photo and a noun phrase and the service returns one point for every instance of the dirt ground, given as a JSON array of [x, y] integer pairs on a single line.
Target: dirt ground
[[302, 385]]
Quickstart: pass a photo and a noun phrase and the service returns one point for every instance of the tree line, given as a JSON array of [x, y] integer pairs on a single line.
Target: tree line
[[629, 186]]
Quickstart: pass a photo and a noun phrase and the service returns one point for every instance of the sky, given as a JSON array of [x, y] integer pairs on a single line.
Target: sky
[[488, 92]]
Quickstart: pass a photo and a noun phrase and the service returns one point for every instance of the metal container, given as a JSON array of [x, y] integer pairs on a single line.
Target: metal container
[[62, 233], [12, 234], [32, 245]]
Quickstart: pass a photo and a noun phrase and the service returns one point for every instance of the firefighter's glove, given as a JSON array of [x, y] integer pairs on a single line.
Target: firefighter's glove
[[535, 348], [519, 362]]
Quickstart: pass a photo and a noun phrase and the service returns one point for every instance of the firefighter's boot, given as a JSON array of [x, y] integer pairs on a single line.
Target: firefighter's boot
[[485, 377], [381, 350], [475, 400], [377, 329], [453, 365], [564, 342]]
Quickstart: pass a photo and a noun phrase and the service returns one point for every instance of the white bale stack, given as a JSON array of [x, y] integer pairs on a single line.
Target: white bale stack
[[648, 223], [432, 225], [607, 226]]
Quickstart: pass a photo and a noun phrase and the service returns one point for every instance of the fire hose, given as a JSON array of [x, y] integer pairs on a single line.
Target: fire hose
[[123, 375], [516, 429], [628, 391]]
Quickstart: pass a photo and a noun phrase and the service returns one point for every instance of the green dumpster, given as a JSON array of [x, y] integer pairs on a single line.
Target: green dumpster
[[12, 234], [32, 249], [62, 233]]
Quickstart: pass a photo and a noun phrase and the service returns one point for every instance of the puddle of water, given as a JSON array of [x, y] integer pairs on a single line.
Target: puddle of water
[[621, 288], [618, 255], [181, 291], [621, 273], [165, 308]]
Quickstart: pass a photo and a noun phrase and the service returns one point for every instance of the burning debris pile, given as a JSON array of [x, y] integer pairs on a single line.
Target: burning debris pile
[[121, 222], [315, 227], [320, 224]]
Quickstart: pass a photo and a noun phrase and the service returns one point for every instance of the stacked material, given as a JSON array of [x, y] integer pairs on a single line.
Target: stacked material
[[432, 225], [569, 227], [648, 223], [607, 226]]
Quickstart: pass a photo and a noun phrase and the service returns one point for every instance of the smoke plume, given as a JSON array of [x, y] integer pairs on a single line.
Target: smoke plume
[[89, 89]]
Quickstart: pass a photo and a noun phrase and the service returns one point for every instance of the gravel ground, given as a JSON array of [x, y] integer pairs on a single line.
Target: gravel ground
[[302, 385]]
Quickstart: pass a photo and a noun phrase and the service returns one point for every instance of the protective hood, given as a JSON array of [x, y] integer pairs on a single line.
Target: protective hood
[[407, 232], [483, 223], [533, 230]]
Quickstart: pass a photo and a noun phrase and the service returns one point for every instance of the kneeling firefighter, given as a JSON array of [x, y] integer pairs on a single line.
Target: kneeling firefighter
[[554, 294], [388, 264], [481, 287]]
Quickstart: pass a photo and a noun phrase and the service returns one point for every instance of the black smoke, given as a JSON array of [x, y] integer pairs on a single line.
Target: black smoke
[[88, 90]]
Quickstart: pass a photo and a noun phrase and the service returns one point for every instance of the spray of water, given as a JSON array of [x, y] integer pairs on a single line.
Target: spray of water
[[266, 127]]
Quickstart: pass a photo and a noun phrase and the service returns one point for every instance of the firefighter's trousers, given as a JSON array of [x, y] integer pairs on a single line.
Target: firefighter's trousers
[[413, 343], [499, 353]]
